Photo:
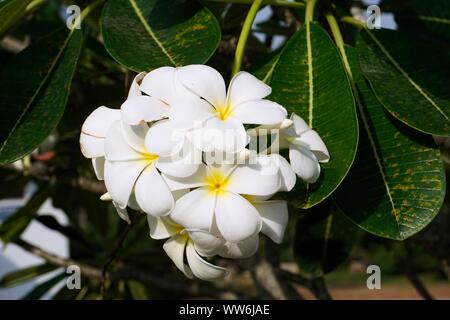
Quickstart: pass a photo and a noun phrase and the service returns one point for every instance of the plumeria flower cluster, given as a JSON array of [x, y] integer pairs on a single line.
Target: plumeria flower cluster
[[178, 151]]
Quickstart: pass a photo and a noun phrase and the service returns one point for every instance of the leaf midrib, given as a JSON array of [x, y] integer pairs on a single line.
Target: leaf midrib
[[406, 75], [149, 30], [310, 74], [38, 90]]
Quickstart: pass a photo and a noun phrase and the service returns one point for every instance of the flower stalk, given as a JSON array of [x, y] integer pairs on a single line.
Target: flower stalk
[[246, 28]]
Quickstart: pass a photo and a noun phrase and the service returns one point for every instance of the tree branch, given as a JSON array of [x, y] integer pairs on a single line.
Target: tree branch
[[114, 253], [126, 272]]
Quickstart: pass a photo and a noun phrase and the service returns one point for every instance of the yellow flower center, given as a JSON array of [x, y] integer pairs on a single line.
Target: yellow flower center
[[223, 112], [216, 182], [149, 157]]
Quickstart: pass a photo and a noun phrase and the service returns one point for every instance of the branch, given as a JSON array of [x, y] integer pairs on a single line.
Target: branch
[[126, 272], [114, 253]]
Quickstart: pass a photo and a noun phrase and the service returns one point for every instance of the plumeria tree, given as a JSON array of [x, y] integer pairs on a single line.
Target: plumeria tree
[[196, 150]]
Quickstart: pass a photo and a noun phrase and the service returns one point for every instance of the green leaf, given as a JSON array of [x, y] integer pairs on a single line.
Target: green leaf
[[12, 228], [9, 11], [20, 276], [34, 89], [146, 34], [410, 78], [323, 239], [310, 80], [433, 15], [265, 71], [397, 183], [44, 287]]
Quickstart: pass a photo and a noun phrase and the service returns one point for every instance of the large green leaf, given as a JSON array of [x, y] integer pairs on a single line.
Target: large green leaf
[[34, 89], [20, 276], [433, 15], [264, 72], [410, 78], [9, 11], [12, 228], [147, 34], [323, 240], [397, 183], [310, 80]]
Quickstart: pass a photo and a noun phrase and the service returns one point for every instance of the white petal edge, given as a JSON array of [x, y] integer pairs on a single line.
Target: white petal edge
[[304, 163], [137, 110], [195, 210], [236, 218], [245, 86], [174, 248], [274, 215], [98, 122], [262, 112], [153, 194], [205, 82], [201, 268]]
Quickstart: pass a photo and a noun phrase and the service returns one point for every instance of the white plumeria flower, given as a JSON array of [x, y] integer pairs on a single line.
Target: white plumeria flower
[[216, 117], [131, 168], [181, 246], [218, 198], [306, 149]]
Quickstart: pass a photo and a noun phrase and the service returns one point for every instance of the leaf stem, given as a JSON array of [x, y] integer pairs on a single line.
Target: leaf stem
[[309, 14], [354, 22], [246, 28], [86, 11], [279, 3], [337, 35]]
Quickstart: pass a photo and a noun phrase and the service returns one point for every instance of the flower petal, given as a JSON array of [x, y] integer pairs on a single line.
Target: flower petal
[[300, 125], [200, 268], [195, 210], [174, 247], [316, 145], [304, 163], [261, 178], [99, 121], [206, 244], [164, 139], [222, 135], [183, 165], [135, 91], [159, 84], [274, 216], [140, 109], [153, 194], [190, 112], [195, 180], [116, 146], [244, 86], [120, 178], [287, 174], [134, 135], [161, 227], [99, 167], [205, 82], [122, 212], [263, 112], [242, 249], [236, 218], [92, 147]]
